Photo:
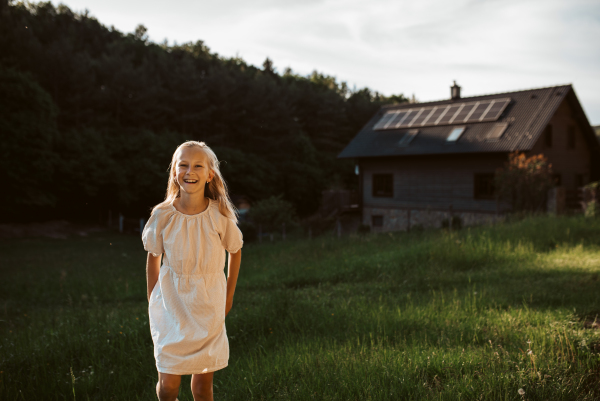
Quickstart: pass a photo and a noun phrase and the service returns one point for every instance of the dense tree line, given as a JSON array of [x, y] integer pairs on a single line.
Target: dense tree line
[[90, 117]]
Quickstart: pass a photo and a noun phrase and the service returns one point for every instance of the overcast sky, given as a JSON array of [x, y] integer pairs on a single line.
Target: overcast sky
[[391, 46]]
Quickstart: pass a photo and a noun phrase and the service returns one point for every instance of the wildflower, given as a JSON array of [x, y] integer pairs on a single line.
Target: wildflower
[[529, 352], [521, 392]]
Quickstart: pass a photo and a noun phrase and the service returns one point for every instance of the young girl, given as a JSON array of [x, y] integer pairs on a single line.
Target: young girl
[[188, 295]]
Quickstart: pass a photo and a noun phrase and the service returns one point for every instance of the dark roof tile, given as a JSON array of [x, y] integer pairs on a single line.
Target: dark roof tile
[[528, 112]]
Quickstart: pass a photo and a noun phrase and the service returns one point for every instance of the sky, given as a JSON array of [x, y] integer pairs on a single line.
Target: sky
[[391, 46]]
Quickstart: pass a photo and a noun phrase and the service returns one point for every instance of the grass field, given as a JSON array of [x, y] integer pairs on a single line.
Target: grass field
[[471, 315]]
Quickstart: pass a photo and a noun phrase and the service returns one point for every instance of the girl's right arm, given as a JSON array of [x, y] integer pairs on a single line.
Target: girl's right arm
[[152, 271]]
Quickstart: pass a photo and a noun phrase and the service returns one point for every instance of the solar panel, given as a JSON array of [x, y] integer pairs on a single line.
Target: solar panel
[[496, 132], [495, 110], [456, 113], [384, 120], [462, 115], [450, 113], [397, 118], [408, 137], [433, 114], [478, 110], [420, 117]]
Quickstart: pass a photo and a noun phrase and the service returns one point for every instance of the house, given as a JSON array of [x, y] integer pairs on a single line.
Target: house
[[423, 163]]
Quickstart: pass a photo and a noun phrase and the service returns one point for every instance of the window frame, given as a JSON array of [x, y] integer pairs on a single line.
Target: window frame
[[487, 180], [376, 184], [460, 134]]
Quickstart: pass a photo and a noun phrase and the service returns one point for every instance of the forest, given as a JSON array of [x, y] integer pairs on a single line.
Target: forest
[[91, 116]]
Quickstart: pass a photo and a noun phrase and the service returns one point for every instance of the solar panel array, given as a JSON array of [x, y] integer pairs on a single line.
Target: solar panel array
[[446, 114]]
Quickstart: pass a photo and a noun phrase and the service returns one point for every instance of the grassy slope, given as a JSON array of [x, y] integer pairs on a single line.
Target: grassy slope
[[476, 314]]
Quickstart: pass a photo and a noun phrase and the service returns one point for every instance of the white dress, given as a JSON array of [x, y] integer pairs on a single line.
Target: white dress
[[187, 305]]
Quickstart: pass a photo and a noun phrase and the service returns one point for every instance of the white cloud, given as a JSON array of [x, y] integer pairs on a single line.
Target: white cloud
[[388, 45]]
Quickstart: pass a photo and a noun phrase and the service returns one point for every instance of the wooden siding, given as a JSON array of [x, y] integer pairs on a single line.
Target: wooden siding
[[431, 182], [565, 161]]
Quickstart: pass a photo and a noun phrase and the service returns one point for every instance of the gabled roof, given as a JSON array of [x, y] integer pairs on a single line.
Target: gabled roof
[[527, 114]]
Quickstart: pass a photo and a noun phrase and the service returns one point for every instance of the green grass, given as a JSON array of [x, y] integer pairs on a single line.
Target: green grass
[[471, 315]]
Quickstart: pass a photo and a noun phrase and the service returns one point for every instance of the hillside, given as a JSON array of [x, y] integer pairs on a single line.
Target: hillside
[[102, 111]]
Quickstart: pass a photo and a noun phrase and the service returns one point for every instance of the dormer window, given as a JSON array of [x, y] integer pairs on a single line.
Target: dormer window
[[455, 134]]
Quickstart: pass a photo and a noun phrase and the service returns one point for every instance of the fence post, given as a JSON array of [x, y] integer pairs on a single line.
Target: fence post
[[121, 219]]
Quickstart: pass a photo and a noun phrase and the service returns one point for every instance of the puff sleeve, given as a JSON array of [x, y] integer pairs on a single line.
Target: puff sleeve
[[232, 239], [152, 234]]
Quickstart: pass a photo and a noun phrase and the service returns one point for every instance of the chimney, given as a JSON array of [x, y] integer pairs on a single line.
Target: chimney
[[455, 91]]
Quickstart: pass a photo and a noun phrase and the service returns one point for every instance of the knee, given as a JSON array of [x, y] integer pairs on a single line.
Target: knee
[[202, 391], [167, 390]]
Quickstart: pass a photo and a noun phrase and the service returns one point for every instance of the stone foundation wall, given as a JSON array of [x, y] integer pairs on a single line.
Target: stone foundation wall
[[403, 219]]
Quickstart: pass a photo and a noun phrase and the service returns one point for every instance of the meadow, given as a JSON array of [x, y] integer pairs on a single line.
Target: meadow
[[505, 312]]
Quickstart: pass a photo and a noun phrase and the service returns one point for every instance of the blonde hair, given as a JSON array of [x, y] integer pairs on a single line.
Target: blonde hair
[[216, 189]]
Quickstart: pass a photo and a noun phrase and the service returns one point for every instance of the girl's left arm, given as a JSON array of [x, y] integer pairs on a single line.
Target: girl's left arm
[[233, 270]]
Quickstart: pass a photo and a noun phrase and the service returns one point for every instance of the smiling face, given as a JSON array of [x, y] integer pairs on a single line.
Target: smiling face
[[192, 170]]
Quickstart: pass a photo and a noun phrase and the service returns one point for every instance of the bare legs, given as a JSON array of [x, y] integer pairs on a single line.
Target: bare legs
[[202, 386], [167, 387]]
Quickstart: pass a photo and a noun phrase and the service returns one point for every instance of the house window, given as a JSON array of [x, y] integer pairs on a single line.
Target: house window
[[383, 185], [483, 187], [548, 136], [377, 221], [455, 134], [571, 137]]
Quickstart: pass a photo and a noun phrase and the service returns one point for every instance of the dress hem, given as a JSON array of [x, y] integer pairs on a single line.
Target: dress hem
[[186, 372]]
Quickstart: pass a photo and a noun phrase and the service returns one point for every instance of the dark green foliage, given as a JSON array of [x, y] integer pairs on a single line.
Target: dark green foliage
[[249, 231], [591, 200], [27, 142], [123, 103], [272, 213]]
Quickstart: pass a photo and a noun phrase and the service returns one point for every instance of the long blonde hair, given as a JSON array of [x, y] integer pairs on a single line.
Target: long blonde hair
[[216, 189]]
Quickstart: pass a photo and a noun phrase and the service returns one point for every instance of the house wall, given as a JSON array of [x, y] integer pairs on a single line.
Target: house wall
[[428, 189], [567, 162]]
